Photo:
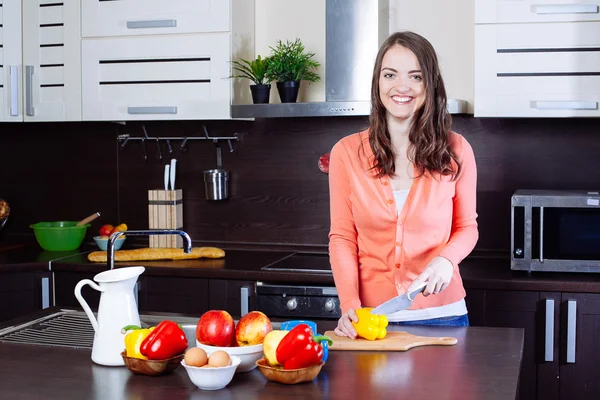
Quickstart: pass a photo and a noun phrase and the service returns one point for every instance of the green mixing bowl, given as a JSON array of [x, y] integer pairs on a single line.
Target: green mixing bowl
[[59, 235]]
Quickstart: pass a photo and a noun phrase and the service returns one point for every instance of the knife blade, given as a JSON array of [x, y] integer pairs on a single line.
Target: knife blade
[[398, 303]]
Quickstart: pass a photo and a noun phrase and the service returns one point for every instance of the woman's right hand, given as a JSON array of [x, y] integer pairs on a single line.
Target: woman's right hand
[[344, 327]]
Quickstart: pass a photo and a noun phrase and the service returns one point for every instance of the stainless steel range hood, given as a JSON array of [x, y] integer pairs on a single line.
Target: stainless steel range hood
[[354, 31]]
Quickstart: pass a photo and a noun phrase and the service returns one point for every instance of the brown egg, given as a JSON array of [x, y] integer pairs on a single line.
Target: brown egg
[[207, 366], [219, 358], [195, 357]]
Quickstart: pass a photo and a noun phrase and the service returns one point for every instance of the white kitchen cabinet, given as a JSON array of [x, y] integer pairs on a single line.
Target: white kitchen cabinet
[[511, 11], [41, 68], [156, 60], [145, 17], [547, 69], [150, 77]]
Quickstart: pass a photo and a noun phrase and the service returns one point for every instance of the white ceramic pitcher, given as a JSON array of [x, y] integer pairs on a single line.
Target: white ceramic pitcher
[[117, 308]]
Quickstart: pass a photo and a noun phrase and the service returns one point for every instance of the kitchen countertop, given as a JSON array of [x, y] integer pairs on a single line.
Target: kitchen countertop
[[484, 364], [478, 272]]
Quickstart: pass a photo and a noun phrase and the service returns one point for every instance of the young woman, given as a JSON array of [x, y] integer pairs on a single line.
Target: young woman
[[403, 195]]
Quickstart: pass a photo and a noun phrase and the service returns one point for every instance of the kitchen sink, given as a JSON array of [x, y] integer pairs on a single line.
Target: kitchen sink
[[73, 329]]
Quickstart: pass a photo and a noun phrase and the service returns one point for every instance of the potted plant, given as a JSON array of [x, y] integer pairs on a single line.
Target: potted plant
[[289, 65], [256, 71]]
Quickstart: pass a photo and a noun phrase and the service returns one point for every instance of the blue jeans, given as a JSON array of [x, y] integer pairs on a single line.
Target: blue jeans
[[457, 320]]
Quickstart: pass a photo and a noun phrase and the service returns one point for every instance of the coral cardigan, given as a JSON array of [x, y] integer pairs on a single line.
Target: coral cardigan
[[376, 252]]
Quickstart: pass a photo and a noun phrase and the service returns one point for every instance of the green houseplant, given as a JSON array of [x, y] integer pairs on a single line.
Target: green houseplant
[[256, 71], [289, 65]]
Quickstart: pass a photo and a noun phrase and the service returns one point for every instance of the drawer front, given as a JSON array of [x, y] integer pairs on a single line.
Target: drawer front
[[537, 70], [157, 77], [10, 59], [510, 11], [147, 17], [51, 60]]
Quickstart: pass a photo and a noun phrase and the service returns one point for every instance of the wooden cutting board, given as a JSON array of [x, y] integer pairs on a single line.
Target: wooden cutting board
[[394, 341]]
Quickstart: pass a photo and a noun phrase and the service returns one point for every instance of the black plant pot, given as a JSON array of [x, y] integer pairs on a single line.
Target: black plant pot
[[288, 91], [260, 93]]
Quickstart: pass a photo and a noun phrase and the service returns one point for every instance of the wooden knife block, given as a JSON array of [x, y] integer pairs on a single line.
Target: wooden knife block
[[165, 211]]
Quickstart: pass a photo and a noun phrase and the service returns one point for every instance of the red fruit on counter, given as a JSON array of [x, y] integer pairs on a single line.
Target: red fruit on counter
[[105, 230], [252, 329], [324, 163], [216, 328]]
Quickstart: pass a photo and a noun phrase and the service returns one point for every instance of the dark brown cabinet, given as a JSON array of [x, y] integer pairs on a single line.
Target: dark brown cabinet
[[170, 294], [237, 297], [64, 289], [561, 348], [22, 293]]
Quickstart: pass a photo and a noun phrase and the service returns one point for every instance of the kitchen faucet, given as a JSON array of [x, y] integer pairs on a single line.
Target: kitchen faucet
[[110, 250]]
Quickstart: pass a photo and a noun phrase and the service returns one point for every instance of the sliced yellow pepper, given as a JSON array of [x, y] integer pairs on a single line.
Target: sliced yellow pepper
[[370, 326], [134, 339]]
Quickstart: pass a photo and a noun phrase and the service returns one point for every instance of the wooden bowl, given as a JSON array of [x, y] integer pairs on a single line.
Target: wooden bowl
[[289, 376], [151, 367]]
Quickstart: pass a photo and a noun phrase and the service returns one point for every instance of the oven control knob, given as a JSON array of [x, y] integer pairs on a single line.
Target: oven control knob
[[329, 305], [292, 304]]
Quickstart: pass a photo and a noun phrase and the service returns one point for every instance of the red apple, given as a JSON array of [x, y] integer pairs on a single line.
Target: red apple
[[252, 329], [216, 328], [105, 230]]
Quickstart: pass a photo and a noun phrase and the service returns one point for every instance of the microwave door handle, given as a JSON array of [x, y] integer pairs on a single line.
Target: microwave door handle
[[541, 234]]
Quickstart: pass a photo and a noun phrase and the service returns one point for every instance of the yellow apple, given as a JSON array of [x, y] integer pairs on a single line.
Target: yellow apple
[[270, 346]]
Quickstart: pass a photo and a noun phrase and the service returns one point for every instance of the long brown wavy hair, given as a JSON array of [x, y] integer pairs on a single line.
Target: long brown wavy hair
[[429, 134]]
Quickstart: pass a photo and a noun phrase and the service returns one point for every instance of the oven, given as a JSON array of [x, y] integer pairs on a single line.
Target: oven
[[299, 301]]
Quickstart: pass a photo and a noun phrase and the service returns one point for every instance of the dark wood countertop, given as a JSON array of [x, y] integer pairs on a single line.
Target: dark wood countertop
[[478, 272], [484, 364]]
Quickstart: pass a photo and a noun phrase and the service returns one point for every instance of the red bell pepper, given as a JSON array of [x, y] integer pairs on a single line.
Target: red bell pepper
[[165, 341], [300, 348]]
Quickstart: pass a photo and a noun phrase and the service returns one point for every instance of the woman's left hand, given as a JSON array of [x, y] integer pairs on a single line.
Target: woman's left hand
[[437, 275]]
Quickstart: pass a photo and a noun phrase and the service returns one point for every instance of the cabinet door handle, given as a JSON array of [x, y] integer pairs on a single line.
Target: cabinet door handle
[[564, 105], [244, 295], [157, 23], [564, 9], [45, 292], [152, 110], [571, 330], [14, 90], [549, 331], [29, 90]]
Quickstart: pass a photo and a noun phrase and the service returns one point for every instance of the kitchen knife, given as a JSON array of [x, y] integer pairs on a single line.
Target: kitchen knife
[[166, 177], [398, 303], [173, 162]]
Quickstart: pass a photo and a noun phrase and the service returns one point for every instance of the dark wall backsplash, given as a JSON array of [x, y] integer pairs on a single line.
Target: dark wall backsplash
[[278, 196]]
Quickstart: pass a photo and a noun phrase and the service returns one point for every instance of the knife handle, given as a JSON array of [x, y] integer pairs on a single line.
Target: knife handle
[[411, 295]]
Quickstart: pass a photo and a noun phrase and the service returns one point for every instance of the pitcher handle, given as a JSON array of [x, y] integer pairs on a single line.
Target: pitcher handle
[[83, 303]]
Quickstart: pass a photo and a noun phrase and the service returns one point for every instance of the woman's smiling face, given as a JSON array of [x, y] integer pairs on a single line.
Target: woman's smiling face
[[401, 86]]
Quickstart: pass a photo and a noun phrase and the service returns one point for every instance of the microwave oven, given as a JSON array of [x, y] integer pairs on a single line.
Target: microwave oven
[[557, 231]]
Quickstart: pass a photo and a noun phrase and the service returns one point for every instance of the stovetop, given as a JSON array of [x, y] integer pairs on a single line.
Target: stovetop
[[302, 262]]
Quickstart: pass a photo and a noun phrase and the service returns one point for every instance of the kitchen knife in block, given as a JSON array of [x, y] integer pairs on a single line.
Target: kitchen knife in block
[[394, 341]]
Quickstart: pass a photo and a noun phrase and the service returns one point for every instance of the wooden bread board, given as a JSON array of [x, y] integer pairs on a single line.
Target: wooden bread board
[[393, 341]]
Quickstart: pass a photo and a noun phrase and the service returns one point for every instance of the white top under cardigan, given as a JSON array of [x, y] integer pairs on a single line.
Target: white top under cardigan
[[448, 310]]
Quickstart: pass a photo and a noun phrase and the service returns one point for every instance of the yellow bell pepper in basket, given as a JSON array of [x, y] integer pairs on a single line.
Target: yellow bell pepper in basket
[[134, 337], [370, 326]]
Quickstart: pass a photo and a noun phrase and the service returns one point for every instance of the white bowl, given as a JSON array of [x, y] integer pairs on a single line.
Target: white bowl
[[248, 354], [212, 378]]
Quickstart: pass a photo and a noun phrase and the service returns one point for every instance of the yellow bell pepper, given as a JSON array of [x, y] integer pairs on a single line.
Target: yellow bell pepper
[[133, 340], [370, 326]]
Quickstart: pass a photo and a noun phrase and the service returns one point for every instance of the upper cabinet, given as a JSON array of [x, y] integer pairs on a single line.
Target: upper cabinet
[[537, 59], [145, 60], [40, 60]]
